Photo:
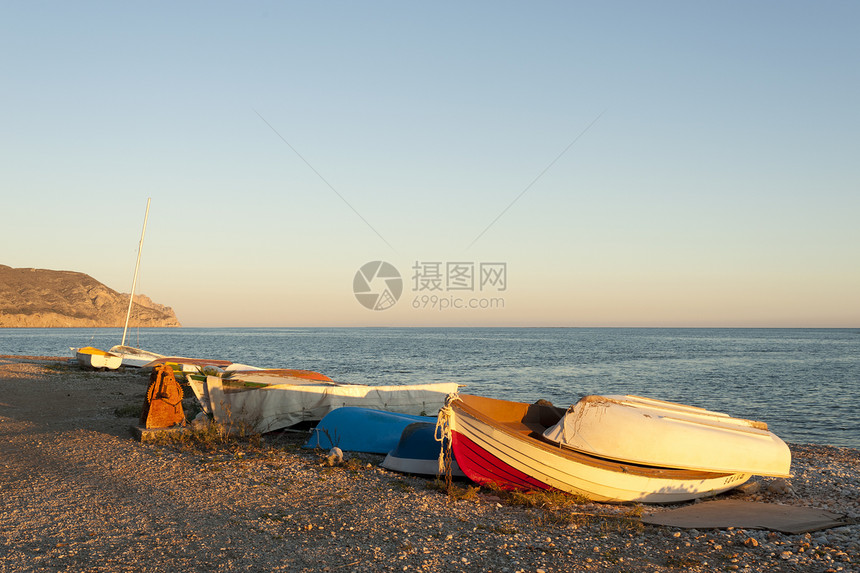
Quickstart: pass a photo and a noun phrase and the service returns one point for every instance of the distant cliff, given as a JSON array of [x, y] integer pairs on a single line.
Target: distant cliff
[[44, 298]]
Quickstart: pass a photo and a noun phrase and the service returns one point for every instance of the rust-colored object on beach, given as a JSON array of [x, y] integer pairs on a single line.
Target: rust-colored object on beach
[[163, 406]]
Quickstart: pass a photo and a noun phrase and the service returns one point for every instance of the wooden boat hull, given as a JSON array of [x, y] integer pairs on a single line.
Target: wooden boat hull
[[261, 377], [654, 432], [95, 359], [498, 442]]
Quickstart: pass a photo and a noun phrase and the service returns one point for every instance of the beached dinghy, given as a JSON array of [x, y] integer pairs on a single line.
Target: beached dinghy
[[653, 432], [362, 430], [128, 355], [134, 357], [501, 442], [90, 357], [417, 452], [267, 400], [241, 377]]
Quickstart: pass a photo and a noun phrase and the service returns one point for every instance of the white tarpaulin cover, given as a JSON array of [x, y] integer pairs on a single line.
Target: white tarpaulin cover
[[279, 406], [665, 434]]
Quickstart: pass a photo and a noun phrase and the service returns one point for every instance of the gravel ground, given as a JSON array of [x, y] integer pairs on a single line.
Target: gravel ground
[[79, 493]]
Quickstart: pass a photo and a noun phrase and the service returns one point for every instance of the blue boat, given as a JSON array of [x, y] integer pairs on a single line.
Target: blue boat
[[417, 452], [354, 429]]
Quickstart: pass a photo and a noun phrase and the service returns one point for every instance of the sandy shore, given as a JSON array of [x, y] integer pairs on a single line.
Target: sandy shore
[[79, 493]]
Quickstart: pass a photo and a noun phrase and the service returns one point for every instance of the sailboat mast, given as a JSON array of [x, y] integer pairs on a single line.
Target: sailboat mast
[[136, 267]]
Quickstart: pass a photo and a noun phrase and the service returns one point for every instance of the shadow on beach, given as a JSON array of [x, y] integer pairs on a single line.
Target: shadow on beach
[[49, 394]]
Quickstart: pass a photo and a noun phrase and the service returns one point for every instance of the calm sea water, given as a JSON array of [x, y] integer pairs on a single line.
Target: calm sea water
[[805, 383]]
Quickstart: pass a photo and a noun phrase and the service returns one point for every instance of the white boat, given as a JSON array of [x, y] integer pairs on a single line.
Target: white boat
[[645, 431], [134, 357], [96, 359], [128, 355], [262, 401], [501, 442]]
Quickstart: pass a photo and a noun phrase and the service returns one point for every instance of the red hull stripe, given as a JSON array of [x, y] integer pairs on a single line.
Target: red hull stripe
[[484, 468]]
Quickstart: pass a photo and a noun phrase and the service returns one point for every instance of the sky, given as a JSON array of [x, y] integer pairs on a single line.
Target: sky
[[663, 163]]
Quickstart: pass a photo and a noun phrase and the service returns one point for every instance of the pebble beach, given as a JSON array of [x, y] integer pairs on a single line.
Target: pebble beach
[[81, 493]]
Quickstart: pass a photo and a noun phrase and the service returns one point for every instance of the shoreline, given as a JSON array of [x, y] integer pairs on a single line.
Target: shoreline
[[71, 360], [84, 495]]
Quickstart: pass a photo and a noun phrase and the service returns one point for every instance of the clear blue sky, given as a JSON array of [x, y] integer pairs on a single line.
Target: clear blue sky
[[713, 177]]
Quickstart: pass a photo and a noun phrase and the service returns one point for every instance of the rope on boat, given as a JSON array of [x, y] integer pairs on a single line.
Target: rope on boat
[[442, 434]]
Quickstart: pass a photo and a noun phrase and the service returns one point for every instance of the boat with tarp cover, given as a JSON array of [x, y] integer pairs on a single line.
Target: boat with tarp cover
[[500, 442], [264, 400]]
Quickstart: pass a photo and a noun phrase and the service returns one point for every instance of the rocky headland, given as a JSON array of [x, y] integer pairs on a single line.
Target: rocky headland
[[41, 298]]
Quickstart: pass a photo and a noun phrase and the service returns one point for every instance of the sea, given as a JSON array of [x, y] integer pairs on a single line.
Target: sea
[[804, 383]]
